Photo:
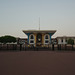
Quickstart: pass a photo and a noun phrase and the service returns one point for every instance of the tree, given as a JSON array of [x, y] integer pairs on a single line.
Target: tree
[[7, 38], [71, 41]]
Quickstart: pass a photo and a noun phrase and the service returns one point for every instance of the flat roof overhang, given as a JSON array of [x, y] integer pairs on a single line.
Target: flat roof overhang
[[39, 31]]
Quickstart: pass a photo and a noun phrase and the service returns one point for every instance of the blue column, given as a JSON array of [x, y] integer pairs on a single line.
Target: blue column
[[50, 37], [28, 37]]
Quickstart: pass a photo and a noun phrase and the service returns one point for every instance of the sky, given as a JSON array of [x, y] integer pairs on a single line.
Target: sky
[[18, 15]]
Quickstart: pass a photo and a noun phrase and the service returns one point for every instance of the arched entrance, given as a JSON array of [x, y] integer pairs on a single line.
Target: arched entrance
[[39, 39]]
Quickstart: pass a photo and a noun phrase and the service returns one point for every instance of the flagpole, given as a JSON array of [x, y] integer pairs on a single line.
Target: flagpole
[[39, 23]]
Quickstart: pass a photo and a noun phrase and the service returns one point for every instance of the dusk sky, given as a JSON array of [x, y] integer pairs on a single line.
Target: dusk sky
[[18, 15]]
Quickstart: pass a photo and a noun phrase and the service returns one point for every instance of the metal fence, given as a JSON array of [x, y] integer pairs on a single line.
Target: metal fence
[[51, 47]]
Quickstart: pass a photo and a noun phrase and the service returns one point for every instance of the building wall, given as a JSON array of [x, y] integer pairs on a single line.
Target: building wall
[[64, 40], [74, 41], [59, 40], [43, 38]]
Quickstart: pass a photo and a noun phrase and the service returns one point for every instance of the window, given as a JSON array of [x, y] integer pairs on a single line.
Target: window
[[31, 39], [66, 40], [62, 40], [47, 39]]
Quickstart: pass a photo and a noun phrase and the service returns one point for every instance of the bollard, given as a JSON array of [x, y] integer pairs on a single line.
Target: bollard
[[58, 47], [13, 46], [37, 48], [65, 46], [7, 46], [72, 47], [25, 47], [20, 47], [53, 47]]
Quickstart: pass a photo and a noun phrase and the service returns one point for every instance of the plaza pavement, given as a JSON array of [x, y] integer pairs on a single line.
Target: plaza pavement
[[37, 63]]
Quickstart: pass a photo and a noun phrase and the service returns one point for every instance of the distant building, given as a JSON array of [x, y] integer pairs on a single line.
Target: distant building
[[21, 40], [64, 39], [39, 37], [54, 40]]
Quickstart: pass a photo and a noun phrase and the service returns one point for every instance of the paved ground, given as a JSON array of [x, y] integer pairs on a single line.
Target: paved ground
[[37, 63]]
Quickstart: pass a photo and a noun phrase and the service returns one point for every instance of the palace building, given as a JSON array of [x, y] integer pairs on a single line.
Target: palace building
[[39, 37]]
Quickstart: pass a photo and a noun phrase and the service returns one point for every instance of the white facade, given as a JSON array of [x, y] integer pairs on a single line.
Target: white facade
[[63, 40]]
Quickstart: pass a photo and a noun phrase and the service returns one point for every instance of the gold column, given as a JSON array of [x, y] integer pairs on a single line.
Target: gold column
[[43, 38], [35, 38]]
